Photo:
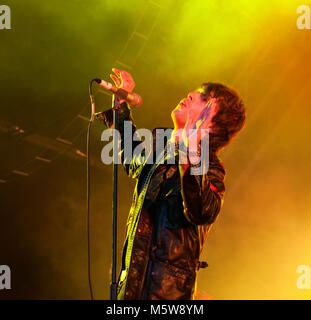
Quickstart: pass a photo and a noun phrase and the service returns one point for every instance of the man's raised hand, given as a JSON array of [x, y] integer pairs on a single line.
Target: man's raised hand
[[122, 80]]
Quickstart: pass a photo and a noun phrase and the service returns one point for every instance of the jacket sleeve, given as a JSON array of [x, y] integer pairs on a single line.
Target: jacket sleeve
[[203, 194], [134, 165]]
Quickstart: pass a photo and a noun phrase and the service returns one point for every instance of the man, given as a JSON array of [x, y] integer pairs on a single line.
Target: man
[[173, 209]]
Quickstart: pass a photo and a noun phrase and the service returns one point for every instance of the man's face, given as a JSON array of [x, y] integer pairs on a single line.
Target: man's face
[[189, 110]]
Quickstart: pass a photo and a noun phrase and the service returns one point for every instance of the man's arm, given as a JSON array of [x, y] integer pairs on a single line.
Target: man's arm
[[123, 80], [132, 166], [202, 194]]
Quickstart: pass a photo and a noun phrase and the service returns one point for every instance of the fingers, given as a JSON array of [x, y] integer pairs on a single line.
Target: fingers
[[119, 78], [122, 79], [122, 74], [116, 80], [116, 71]]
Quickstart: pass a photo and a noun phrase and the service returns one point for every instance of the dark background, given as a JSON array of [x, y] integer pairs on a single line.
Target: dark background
[[47, 60]]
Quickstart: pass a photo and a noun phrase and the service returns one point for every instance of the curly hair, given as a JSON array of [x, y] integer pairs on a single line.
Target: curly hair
[[229, 118]]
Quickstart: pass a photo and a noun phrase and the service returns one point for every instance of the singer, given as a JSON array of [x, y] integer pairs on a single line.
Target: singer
[[173, 209]]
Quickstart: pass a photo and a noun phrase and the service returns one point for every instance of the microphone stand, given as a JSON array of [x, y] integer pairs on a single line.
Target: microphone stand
[[113, 285]]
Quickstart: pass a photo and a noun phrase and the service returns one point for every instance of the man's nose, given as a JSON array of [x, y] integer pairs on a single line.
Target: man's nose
[[192, 95]]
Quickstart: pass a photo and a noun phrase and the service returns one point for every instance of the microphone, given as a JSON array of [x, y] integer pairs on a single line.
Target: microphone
[[133, 99]]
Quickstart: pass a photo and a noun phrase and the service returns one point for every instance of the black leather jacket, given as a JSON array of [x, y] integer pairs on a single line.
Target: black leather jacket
[[167, 226]]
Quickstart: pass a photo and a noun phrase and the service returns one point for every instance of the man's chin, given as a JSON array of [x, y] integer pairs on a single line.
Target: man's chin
[[178, 123], [175, 115], [178, 113]]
